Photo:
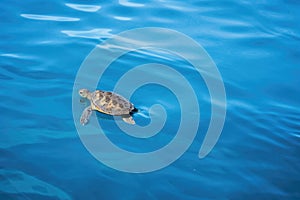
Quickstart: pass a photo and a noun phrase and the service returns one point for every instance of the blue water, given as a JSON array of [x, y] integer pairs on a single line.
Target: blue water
[[256, 49]]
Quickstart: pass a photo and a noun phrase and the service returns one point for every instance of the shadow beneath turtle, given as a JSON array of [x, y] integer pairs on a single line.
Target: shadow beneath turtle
[[135, 110], [103, 116]]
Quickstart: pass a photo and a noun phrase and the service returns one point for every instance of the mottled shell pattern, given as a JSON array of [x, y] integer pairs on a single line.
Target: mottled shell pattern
[[110, 103]]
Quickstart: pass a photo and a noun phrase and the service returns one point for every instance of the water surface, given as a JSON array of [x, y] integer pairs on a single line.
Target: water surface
[[256, 49]]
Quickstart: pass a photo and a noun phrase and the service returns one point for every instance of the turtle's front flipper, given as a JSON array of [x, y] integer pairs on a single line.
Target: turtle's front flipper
[[128, 119], [84, 119]]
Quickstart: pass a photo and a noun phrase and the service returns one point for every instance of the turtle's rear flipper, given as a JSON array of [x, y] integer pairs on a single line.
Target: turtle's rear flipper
[[128, 119]]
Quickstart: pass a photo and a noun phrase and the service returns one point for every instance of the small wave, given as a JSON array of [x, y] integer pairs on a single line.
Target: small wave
[[123, 18], [85, 8], [93, 34], [130, 4], [50, 18]]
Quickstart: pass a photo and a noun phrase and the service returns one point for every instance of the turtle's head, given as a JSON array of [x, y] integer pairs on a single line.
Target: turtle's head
[[84, 93]]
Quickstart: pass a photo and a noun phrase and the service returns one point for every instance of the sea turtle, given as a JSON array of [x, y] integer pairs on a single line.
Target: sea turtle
[[106, 102]]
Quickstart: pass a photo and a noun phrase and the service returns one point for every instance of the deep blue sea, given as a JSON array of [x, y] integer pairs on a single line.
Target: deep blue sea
[[255, 46]]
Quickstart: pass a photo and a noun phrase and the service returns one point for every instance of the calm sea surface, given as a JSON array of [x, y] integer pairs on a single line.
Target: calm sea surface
[[256, 47]]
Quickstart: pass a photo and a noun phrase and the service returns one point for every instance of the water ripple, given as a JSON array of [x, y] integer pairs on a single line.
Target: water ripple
[[130, 4], [93, 34], [50, 18], [122, 18], [17, 55], [18, 182], [85, 8], [178, 5], [256, 48], [33, 74]]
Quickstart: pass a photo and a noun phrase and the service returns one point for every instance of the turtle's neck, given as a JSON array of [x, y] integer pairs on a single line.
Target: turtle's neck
[[89, 96]]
